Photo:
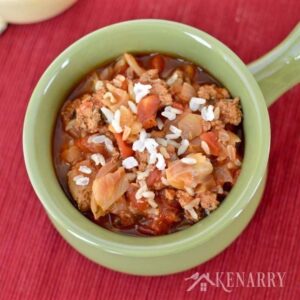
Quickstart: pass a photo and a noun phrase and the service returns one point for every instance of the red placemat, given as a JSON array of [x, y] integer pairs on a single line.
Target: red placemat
[[36, 263]]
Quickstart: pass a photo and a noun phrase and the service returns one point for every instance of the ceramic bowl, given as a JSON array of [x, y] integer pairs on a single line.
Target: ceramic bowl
[[190, 247], [30, 11]]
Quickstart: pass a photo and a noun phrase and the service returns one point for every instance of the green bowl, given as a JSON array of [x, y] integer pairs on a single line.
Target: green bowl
[[185, 249]]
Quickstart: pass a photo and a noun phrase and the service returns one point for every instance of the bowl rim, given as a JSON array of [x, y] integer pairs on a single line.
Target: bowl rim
[[160, 245]]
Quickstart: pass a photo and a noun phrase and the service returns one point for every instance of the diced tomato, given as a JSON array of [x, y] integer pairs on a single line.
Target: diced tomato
[[124, 148], [85, 146], [154, 176], [170, 216], [157, 62], [211, 139], [178, 105], [159, 225], [147, 110]]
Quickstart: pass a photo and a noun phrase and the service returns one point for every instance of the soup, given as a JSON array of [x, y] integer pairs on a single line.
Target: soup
[[148, 144]]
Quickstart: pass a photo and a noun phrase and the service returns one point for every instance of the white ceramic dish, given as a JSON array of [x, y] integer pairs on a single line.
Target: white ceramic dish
[[30, 11]]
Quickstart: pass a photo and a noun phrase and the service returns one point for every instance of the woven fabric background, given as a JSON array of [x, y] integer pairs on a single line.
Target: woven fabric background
[[36, 263]]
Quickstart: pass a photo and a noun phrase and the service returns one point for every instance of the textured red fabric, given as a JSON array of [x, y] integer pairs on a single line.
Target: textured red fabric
[[36, 263]]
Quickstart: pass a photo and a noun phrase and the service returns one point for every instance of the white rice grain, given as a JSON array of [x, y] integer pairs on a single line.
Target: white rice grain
[[96, 139], [183, 146], [140, 91], [160, 124], [130, 162], [207, 113], [85, 170], [205, 147], [116, 121], [98, 159], [195, 103], [189, 160], [81, 180], [161, 164], [132, 107], [162, 142], [109, 115]]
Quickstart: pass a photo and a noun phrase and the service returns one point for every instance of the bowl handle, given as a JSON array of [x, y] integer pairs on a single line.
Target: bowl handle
[[279, 70]]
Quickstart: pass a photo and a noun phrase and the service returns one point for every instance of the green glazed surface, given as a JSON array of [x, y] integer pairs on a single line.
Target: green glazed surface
[[158, 265], [147, 255], [279, 70]]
